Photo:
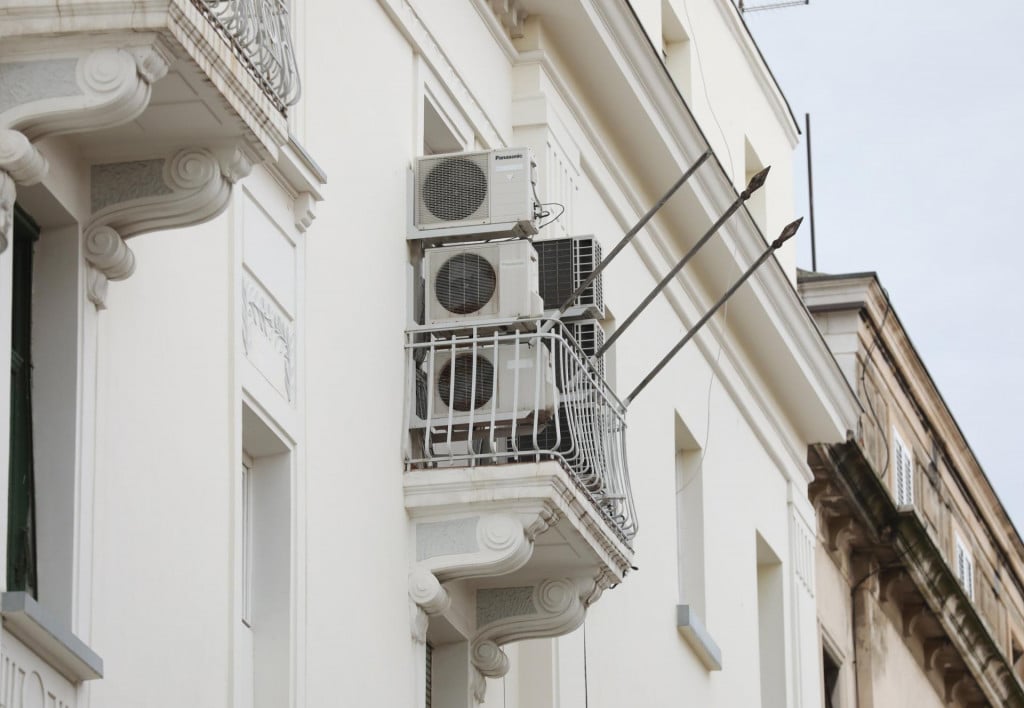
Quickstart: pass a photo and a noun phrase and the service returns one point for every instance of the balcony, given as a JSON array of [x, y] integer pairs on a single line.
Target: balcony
[[516, 483], [148, 111], [159, 72]]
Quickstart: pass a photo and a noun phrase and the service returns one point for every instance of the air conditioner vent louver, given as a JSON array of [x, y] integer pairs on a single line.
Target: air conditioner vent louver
[[473, 383], [563, 265], [465, 283], [455, 188]]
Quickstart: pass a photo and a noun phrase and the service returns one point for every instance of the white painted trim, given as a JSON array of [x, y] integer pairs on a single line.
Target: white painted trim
[[407, 20], [48, 638], [760, 70]]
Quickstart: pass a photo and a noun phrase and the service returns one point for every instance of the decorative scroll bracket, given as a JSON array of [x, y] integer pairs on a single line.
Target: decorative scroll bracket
[[92, 90], [130, 198], [20, 163], [475, 546], [550, 608]]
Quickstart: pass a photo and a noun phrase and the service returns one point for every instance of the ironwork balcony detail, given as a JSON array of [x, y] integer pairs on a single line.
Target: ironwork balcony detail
[[485, 396], [259, 33]]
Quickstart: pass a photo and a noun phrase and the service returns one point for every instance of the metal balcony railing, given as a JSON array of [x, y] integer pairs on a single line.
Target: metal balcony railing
[[259, 34], [484, 397]]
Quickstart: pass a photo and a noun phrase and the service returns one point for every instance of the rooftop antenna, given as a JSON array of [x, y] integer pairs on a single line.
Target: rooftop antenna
[[810, 194], [744, 7]]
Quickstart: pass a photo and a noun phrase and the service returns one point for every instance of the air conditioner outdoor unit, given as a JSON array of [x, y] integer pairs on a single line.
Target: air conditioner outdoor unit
[[486, 386], [590, 336], [474, 195], [474, 284], [564, 263]]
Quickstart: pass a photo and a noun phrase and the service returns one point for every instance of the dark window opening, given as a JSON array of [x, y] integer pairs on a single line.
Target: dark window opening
[[830, 675], [21, 536], [430, 674]]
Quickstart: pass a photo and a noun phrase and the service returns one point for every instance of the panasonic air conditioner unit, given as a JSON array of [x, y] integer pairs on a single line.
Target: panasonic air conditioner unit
[[474, 195], [486, 386], [564, 263], [475, 284]]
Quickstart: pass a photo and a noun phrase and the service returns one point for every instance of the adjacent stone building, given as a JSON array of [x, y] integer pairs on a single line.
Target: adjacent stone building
[[920, 569]]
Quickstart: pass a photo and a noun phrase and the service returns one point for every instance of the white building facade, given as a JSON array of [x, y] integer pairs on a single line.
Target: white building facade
[[224, 498]]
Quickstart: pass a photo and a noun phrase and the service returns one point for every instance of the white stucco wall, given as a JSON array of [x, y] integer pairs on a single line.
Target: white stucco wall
[[173, 375]]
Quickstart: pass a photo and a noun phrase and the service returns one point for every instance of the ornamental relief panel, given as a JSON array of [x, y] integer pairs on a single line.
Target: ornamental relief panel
[[268, 337], [29, 682]]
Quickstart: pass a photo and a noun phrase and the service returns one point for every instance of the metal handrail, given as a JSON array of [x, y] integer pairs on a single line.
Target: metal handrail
[[526, 392], [260, 35]]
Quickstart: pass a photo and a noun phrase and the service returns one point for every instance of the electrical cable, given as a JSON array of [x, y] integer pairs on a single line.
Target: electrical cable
[[547, 213], [586, 682], [543, 213], [704, 83], [711, 383]]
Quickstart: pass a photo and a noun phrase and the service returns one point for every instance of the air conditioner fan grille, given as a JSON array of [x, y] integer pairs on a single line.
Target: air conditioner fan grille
[[465, 283], [454, 188], [469, 391]]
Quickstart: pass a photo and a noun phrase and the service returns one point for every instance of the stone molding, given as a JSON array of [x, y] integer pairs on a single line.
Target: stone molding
[[131, 198], [898, 563], [511, 15]]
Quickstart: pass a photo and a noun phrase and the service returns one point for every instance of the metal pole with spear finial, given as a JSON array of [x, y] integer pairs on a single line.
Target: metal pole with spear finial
[[756, 182], [787, 233], [624, 241]]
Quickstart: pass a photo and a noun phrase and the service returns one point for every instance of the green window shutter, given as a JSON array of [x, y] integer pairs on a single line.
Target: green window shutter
[[21, 542]]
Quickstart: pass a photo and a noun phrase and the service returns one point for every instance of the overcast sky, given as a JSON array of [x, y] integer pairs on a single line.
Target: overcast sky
[[917, 123]]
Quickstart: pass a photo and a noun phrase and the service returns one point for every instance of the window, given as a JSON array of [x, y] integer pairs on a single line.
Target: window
[[21, 519], [964, 567], [438, 135], [675, 50], [903, 464], [830, 679], [771, 629], [757, 205], [246, 550], [1017, 656], [49, 506], [690, 519], [429, 698], [263, 533]]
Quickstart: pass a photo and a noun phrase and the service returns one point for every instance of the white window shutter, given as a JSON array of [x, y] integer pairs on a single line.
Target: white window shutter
[[904, 465], [964, 568]]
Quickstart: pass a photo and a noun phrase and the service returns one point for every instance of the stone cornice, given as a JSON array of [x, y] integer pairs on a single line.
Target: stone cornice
[[854, 501]]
